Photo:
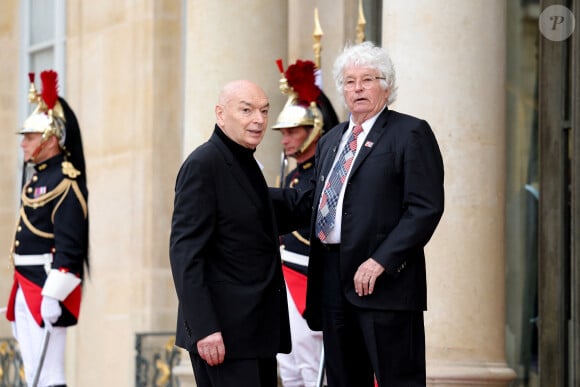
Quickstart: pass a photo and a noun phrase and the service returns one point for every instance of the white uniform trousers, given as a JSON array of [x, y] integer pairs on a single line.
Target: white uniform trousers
[[300, 367], [29, 336]]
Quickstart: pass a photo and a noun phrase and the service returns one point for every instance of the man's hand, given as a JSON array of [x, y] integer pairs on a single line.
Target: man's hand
[[50, 310], [212, 349], [366, 277]]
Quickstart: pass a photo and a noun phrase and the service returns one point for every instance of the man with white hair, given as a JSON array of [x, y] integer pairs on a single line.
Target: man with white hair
[[373, 204]]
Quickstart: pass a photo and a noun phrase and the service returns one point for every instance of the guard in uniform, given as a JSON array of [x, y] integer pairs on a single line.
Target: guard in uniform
[[306, 115], [50, 249]]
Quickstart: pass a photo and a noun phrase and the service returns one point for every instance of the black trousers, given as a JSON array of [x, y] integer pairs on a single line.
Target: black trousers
[[235, 372], [361, 344]]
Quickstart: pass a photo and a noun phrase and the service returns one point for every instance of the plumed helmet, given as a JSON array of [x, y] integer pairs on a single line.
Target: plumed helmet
[[54, 117], [297, 82], [294, 115], [48, 117]]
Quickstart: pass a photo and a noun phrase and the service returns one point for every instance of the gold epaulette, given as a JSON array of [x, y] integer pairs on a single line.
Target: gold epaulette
[[69, 170]]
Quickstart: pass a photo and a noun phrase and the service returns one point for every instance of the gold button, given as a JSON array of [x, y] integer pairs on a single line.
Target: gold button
[[19, 228], [29, 190], [34, 178], [16, 243]]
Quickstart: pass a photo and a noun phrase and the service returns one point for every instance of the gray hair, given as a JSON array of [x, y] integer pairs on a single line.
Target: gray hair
[[366, 54]]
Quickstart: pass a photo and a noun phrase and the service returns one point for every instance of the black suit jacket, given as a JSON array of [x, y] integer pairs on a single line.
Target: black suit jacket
[[392, 204], [225, 258]]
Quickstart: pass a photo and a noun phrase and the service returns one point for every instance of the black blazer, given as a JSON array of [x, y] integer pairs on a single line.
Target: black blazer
[[392, 204], [225, 259]]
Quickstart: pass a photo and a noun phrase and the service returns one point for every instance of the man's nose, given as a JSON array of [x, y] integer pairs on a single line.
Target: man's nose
[[358, 84], [259, 117]]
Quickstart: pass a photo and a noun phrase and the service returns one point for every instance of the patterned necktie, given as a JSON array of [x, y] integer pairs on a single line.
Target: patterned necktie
[[327, 208]]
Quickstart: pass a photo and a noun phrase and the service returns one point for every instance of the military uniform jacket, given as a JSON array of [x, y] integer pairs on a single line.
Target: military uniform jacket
[[299, 179], [297, 241], [53, 219]]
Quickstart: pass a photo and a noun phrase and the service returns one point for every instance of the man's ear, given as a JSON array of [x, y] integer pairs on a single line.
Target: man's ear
[[219, 111], [53, 142]]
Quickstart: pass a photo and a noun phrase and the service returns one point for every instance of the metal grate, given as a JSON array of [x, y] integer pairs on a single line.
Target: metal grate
[[155, 357], [11, 367]]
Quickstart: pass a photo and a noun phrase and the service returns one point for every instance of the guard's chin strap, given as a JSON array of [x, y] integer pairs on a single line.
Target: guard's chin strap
[[297, 153], [305, 146], [37, 151]]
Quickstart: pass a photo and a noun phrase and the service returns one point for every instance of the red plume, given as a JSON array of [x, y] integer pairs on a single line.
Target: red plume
[[300, 77], [280, 65], [31, 77], [49, 92]]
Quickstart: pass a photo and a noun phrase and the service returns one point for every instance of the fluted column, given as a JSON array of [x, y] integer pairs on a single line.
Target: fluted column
[[237, 40], [240, 40], [450, 62], [124, 82], [10, 158]]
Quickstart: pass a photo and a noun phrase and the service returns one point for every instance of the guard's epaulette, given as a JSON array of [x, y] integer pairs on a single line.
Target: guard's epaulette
[[69, 170]]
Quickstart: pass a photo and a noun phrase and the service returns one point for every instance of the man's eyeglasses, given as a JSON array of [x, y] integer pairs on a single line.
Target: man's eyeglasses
[[366, 82]]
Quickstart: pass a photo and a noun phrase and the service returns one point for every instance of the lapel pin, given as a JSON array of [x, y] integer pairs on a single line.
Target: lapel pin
[[369, 144]]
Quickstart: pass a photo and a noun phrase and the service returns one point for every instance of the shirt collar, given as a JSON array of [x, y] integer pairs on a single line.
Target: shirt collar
[[368, 124]]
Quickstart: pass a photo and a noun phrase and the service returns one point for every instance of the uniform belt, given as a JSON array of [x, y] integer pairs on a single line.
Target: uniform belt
[[32, 259], [291, 257]]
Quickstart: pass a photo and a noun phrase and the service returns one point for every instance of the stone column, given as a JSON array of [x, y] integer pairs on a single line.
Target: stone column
[[239, 41], [10, 157], [450, 62], [331, 14], [125, 83]]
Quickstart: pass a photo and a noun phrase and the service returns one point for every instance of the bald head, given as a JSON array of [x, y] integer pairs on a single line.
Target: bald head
[[238, 88], [242, 112]]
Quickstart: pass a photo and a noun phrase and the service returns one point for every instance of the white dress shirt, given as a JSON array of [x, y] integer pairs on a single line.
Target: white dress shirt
[[334, 234]]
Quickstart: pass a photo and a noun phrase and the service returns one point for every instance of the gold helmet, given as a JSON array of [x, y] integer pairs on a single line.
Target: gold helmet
[[48, 117], [300, 108]]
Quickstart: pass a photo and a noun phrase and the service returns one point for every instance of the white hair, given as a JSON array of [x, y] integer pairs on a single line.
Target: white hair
[[366, 54]]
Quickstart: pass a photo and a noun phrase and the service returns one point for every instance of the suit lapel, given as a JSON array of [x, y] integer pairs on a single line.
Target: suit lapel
[[334, 143], [370, 143]]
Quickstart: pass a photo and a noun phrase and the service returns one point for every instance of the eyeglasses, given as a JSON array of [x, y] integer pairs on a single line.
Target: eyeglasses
[[366, 82]]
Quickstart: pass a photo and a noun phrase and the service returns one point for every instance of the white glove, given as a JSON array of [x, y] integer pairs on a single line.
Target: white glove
[[14, 331], [50, 309]]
